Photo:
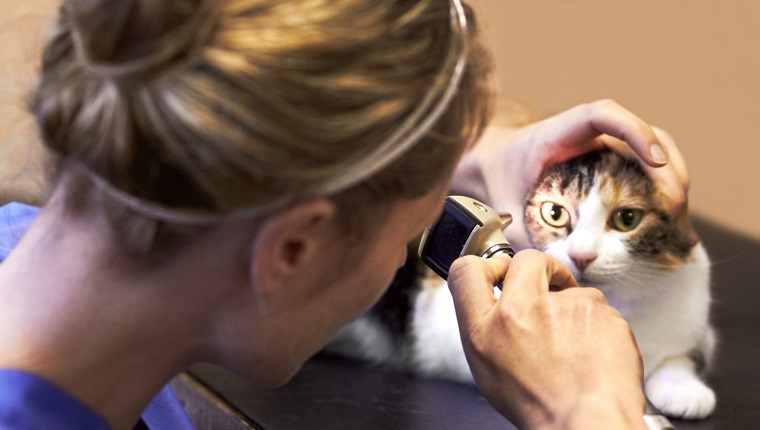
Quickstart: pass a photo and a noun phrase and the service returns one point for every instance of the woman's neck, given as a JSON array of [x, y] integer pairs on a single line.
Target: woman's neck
[[73, 315]]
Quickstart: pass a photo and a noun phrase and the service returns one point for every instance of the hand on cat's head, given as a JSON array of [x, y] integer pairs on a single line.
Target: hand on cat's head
[[503, 167]]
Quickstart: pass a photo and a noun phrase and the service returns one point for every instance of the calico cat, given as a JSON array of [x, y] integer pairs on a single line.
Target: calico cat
[[601, 216]]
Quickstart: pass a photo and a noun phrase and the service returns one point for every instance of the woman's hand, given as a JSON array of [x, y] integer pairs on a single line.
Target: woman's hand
[[563, 359], [502, 168]]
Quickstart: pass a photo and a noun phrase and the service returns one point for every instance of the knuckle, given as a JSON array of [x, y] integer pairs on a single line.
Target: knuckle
[[664, 136], [464, 264], [464, 267], [685, 186], [604, 105], [595, 294], [528, 254]]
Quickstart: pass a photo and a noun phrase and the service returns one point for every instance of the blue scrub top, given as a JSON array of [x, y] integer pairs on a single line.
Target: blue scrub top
[[28, 402]]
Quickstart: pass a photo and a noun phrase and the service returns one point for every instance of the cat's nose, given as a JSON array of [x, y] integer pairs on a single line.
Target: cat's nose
[[583, 261]]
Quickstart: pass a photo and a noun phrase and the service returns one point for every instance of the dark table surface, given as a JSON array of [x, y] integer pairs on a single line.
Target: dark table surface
[[333, 393]]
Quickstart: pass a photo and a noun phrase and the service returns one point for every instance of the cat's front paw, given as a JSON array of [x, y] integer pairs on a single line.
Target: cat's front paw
[[680, 397]]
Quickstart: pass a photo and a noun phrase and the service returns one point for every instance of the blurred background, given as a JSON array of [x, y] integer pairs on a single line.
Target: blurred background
[[691, 67]]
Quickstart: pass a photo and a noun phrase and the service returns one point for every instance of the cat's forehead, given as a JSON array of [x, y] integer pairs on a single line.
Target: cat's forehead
[[570, 179], [623, 180], [618, 179]]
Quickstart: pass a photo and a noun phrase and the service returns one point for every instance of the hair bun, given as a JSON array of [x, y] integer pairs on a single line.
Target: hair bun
[[130, 38]]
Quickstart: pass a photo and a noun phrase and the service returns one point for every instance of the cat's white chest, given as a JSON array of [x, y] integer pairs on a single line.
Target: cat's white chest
[[437, 346], [669, 313]]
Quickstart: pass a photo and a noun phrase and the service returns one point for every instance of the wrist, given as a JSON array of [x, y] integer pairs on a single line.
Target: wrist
[[596, 411], [606, 412]]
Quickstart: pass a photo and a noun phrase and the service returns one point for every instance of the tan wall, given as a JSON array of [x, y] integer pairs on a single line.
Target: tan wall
[[24, 25], [689, 66]]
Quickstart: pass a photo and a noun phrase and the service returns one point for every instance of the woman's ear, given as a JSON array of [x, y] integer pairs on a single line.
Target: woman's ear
[[292, 244]]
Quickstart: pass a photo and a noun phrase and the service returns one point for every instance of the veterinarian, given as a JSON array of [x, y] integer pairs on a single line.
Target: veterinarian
[[235, 179]]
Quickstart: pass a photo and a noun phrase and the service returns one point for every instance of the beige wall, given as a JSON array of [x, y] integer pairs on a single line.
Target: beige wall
[[24, 25], [689, 66]]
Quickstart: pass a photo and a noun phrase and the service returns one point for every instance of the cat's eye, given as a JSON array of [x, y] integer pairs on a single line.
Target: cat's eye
[[555, 215], [626, 219]]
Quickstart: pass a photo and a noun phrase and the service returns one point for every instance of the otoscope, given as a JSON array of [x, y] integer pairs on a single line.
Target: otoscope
[[469, 227], [465, 227]]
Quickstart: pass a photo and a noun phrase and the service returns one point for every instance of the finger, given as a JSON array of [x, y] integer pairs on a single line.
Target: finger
[[585, 292], [471, 281], [532, 273], [672, 180], [676, 158], [668, 180], [678, 203], [678, 196], [574, 132], [610, 118]]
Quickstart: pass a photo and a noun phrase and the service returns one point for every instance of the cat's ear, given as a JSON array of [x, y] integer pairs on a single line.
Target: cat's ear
[[291, 245]]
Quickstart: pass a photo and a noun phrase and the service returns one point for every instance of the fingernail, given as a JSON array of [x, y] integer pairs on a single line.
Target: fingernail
[[657, 153]]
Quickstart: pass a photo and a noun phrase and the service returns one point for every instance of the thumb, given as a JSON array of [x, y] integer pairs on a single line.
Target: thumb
[[471, 282]]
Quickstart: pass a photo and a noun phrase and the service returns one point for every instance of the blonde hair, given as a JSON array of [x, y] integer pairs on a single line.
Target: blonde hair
[[218, 105]]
